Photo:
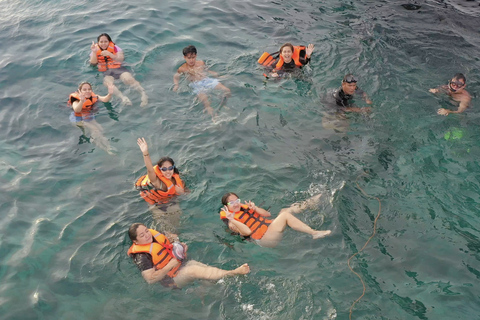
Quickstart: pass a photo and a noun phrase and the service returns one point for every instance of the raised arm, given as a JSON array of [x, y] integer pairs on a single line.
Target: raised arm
[[148, 163], [152, 275], [93, 55], [258, 210], [107, 98]]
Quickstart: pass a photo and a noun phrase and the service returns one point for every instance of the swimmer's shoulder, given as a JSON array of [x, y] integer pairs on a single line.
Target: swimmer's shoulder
[[183, 68]]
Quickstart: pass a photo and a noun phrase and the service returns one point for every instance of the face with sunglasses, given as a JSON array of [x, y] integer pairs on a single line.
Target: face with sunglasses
[[167, 169], [349, 84]]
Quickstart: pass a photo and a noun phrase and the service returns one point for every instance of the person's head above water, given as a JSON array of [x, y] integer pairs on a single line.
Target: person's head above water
[[458, 83], [167, 166], [103, 41], [190, 55], [139, 234], [232, 201], [349, 84], [85, 88], [286, 51]]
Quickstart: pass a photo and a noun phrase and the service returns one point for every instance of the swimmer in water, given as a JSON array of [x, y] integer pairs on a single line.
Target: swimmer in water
[[251, 221], [153, 254], [196, 72], [109, 57], [456, 90], [291, 59], [159, 187], [347, 92], [83, 103]]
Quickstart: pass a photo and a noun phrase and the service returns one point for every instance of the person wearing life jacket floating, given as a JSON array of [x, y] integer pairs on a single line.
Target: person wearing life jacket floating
[[83, 101], [291, 58], [455, 90], [161, 183], [347, 92], [162, 261], [251, 221], [109, 57]]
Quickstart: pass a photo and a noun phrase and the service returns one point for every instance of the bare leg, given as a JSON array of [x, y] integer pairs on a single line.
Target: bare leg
[[206, 103], [99, 139], [196, 270], [275, 231], [307, 204], [109, 80], [128, 79]]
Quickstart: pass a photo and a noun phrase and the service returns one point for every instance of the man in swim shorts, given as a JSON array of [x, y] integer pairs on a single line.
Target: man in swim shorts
[[157, 259], [196, 72], [456, 90]]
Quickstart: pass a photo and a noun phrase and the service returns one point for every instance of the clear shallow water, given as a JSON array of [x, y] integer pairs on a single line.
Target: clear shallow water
[[66, 204]]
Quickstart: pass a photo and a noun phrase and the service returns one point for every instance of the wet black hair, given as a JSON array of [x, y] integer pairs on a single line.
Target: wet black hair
[[165, 159], [225, 197], [460, 76], [132, 231], [106, 35], [189, 49]]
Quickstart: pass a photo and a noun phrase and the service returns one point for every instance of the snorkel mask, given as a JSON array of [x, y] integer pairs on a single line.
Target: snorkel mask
[[457, 84]]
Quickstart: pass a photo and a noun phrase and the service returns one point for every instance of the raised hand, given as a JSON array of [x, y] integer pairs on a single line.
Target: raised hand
[[251, 205], [309, 50], [230, 215], [111, 88], [94, 47], [143, 145]]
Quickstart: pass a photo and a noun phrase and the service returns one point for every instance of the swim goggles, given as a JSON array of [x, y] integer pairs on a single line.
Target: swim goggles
[[350, 79], [457, 84], [167, 169], [233, 202]]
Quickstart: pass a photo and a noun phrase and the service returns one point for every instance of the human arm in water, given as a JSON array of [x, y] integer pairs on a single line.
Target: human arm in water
[[148, 164], [464, 102], [152, 275], [177, 76]]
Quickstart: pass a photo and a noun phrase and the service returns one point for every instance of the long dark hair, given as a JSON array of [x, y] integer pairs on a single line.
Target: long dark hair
[[225, 197], [132, 231], [165, 159], [106, 35]]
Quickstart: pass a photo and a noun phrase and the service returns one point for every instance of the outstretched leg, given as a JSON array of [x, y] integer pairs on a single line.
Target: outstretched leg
[[196, 270], [128, 79], [206, 103], [110, 80], [99, 139], [286, 218]]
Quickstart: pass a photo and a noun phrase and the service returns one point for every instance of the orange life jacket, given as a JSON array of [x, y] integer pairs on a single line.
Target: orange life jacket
[[153, 195], [87, 105], [105, 63], [295, 57], [161, 252], [255, 222]]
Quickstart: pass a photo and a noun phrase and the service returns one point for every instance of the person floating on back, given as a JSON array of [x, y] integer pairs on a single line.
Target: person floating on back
[[456, 90], [253, 222], [196, 72], [162, 260], [289, 59], [109, 57]]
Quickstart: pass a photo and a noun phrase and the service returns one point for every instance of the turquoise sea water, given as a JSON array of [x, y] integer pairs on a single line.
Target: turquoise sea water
[[66, 204]]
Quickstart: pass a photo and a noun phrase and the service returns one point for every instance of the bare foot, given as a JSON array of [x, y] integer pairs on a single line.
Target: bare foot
[[144, 100], [126, 101], [243, 269], [321, 234]]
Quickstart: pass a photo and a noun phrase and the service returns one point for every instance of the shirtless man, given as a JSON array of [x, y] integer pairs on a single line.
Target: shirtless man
[[456, 90], [196, 72]]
